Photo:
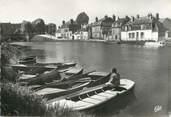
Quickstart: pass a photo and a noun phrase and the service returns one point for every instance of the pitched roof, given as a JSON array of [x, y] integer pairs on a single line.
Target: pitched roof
[[166, 23], [141, 20], [120, 22], [67, 24], [99, 22]]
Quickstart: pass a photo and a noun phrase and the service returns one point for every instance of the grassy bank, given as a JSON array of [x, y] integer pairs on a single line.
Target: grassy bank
[[17, 100]]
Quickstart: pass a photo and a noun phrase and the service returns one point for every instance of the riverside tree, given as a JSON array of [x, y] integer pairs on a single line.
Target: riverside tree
[[39, 26], [82, 19]]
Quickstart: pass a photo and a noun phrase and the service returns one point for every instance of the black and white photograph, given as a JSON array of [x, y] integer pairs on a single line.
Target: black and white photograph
[[85, 58]]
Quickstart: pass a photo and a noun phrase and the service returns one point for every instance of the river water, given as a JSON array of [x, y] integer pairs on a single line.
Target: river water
[[147, 67]]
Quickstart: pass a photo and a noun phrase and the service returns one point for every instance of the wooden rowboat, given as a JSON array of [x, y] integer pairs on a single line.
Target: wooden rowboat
[[62, 89], [66, 79], [40, 68], [92, 97], [27, 60], [50, 76], [97, 78]]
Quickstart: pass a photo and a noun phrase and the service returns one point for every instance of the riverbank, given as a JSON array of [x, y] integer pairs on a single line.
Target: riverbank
[[49, 38], [53, 38]]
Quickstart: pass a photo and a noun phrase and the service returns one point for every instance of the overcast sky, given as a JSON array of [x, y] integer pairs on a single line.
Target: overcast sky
[[57, 10]]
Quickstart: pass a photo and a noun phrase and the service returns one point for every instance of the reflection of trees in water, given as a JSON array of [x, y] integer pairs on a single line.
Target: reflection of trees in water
[[114, 106]]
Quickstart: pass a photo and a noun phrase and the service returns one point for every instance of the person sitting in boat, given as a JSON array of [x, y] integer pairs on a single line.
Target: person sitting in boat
[[114, 80]]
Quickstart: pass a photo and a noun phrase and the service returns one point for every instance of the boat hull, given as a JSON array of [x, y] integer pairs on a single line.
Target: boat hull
[[93, 97]]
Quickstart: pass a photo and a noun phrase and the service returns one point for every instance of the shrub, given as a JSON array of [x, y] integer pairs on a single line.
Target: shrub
[[18, 100]]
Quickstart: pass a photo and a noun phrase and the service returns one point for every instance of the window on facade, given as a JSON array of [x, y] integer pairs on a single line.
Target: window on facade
[[129, 28], [142, 35], [142, 27], [125, 28], [137, 35], [116, 37], [129, 35], [133, 35]]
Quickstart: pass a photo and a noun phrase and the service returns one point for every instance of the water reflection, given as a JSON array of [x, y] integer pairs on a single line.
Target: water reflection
[[148, 68]]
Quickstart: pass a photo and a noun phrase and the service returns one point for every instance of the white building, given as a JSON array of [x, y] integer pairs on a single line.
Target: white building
[[68, 29], [146, 28], [81, 35]]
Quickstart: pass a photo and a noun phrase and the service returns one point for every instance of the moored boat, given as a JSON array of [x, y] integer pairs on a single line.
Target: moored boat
[[28, 60], [50, 76], [67, 79], [37, 68], [154, 44], [93, 96], [96, 78], [62, 89]]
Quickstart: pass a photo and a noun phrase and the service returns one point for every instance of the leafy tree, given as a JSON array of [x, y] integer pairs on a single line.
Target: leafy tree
[[51, 28], [39, 26], [26, 27], [82, 18]]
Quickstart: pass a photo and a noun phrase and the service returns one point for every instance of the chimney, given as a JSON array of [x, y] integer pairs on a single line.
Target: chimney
[[150, 15], [138, 16], [63, 22], [118, 18], [59, 27], [114, 17], [127, 18], [96, 19], [132, 18], [72, 21], [105, 16], [157, 16]]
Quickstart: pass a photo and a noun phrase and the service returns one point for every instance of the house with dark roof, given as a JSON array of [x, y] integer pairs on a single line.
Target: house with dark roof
[[51, 28], [147, 28], [67, 29], [116, 27], [101, 29], [167, 25]]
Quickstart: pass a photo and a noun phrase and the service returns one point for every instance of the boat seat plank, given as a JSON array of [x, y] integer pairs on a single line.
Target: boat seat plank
[[34, 86], [72, 71], [82, 103], [84, 91], [120, 92], [98, 97], [98, 74], [48, 91], [111, 92], [106, 95], [90, 100]]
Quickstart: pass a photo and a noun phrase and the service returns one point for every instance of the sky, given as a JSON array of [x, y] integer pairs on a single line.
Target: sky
[[54, 11]]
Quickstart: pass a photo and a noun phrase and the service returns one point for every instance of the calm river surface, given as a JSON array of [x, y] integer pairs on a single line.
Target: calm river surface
[[148, 67]]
